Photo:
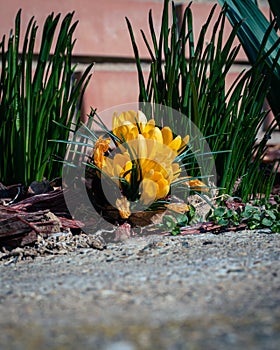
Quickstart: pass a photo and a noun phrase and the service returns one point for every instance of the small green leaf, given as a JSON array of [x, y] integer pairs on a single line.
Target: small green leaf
[[223, 222], [256, 217], [176, 231], [168, 221], [267, 222], [253, 225], [219, 212], [270, 214]]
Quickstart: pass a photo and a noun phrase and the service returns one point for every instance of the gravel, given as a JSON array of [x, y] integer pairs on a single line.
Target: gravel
[[157, 292]]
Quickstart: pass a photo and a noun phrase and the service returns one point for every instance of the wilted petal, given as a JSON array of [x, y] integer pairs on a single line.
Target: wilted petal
[[101, 146], [197, 185], [178, 207], [123, 207], [176, 170]]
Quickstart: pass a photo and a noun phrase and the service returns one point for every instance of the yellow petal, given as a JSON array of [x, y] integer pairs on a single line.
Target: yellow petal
[[129, 116], [147, 167], [141, 147], [119, 163], [157, 176], [115, 121], [176, 143], [149, 127], [148, 190], [157, 135], [132, 133], [149, 174], [126, 172], [161, 169], [152, 149], [163, 188], [126, 132], [108, 166], [186, 139], [132, 117], [121, 159], [120, 131], [141, 118], [184, 143], [167, 135]]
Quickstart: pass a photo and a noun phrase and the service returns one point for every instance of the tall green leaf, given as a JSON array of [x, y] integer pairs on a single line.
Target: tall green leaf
[[257, 35], [37, 91]]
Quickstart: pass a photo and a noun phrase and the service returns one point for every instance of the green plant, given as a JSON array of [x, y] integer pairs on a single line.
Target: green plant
[[259, 36], [256, 215], [174, 221], [191, 78], [36, 93]]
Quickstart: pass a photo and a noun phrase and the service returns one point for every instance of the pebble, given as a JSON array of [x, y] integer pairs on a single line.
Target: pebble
[[120, 346]]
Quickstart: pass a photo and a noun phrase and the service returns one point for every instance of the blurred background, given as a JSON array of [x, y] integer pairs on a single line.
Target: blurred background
[[102, 37]]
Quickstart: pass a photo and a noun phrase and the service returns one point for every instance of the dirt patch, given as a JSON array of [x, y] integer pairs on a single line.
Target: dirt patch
[[155, 292]]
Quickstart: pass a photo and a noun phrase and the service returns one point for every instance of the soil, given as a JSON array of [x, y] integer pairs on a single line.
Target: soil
[[201, 291]]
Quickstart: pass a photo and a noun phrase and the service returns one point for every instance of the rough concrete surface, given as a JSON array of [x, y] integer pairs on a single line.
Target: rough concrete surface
[[187, 292]]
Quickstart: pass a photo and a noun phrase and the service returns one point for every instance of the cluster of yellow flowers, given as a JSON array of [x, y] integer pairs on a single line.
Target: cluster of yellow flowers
[[145, 148]]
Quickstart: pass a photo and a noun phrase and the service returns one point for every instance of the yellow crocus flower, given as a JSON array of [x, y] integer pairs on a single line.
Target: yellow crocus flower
[[147, 149]]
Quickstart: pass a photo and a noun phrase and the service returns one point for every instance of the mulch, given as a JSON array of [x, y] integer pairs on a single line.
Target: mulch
[[40, 212]]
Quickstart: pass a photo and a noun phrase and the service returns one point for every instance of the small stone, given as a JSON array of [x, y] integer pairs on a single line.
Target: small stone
[[121, 345]]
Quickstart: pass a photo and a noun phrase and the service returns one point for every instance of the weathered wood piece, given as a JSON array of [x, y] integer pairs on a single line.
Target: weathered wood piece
[[18, 228], [53, 201], [43, 214]]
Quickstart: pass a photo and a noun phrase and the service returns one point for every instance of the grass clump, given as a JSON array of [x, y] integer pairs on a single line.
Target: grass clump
[[191, 78], [37, 91]]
